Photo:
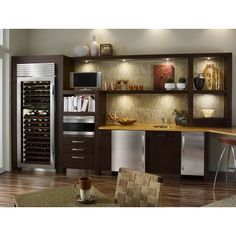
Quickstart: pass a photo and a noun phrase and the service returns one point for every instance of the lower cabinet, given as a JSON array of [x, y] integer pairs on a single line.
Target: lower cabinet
[[163, 152], [79, 152], [103, 150]]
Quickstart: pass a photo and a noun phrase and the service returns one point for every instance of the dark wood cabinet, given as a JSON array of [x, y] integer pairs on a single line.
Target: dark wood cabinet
[[79, 152], [103, 150], [163, 152]]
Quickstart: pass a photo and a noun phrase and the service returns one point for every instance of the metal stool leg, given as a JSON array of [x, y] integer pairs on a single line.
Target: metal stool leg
[[234, 157], [227, 167], [222, 154]]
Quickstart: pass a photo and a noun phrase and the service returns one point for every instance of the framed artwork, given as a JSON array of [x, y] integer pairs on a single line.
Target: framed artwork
[[161, 73]]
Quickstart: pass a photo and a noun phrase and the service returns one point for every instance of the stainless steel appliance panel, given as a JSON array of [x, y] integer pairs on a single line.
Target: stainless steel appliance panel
[[128, 150], [192, 155], [79, 125]]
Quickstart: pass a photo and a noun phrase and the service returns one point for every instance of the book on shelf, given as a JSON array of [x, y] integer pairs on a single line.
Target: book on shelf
[[79, 104]]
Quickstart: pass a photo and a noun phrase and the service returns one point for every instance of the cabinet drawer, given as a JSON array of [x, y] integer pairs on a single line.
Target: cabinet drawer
[[79, 161], [78, 149], [79, 140], [72, 144]]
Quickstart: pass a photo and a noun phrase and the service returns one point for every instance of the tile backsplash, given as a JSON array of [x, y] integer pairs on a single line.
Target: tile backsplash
[[146, 108]]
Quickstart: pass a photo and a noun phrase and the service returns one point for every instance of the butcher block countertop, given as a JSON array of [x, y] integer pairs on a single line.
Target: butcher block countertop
[[170, 127]]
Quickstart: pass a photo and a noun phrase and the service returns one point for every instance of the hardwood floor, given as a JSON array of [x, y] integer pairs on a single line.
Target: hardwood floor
[[176, 192]]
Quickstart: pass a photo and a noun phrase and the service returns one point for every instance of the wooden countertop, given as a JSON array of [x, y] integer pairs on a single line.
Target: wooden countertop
[[172, 127]]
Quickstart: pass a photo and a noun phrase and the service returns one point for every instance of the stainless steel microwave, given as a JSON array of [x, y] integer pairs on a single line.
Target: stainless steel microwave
[[86, 80], [79, 125]]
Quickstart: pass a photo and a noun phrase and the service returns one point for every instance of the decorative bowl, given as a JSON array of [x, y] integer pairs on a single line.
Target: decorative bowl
[[208, 112], [126, 121], [180, 86], [169, 86]]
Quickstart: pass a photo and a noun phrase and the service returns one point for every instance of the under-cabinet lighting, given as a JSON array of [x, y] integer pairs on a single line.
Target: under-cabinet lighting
[[208, 58], [86, 61], [123, 60], [167, 59]]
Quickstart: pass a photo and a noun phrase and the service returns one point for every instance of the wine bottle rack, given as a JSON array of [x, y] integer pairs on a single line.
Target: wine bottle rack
[[36, 141]]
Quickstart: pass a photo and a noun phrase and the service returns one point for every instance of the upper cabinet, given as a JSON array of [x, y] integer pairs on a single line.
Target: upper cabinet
[[150, 87]]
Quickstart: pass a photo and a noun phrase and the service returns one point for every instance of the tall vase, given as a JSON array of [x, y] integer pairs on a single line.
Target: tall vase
[[94, 47]]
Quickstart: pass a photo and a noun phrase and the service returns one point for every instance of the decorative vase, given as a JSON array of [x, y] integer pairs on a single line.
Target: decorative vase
[[81, 51], [199, 81], [94, 47], [178, 120]]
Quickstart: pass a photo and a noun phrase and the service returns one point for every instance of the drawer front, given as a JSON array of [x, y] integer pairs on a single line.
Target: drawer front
[[79, 161], [86, 141], [73, 144], [79, 149]]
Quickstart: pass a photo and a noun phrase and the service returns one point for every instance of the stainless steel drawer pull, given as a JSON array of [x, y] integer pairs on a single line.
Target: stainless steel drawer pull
[[78, 157], [77, 149], [77, 141]]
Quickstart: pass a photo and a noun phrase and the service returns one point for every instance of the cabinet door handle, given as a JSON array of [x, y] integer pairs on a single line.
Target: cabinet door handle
[[77, 149], [77, 141], [78, 157], [183, 144], [143, 152]]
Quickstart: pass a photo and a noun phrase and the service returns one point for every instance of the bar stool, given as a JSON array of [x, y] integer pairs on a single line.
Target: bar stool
[[230, 146]]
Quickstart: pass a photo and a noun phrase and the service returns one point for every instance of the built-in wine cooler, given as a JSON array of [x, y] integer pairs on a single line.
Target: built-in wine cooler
[[35, 115]]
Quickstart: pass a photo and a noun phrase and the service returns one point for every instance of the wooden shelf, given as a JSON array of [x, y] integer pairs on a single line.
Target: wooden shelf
[[76, 92], [208, 118], [210, 91], [146, 92], [146, 57], [78, 113]]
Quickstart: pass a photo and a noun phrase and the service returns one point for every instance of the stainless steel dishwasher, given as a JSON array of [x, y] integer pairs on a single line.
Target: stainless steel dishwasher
[[192, 153], [128, 150]]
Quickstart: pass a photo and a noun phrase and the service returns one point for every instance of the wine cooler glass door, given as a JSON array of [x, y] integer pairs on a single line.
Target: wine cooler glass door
[[35, 115]]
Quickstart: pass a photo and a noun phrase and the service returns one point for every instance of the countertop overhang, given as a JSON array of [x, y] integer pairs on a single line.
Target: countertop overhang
[[172, 128]]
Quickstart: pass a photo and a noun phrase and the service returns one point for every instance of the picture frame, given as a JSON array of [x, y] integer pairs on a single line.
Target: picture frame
[[106, 49]]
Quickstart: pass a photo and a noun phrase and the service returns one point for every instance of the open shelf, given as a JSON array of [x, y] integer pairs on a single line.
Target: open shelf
[[78, 113], [79, 92], [210, 92], [146, 91], [146, 57]]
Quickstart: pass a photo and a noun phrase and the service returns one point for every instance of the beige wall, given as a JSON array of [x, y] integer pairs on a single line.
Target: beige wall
[[138, 41], [19, 42]]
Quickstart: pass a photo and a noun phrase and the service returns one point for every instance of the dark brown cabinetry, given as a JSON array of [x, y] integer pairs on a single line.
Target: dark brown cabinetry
[[79, 152], [103, 150], [162, 148], [79, 149], [163, 152]]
